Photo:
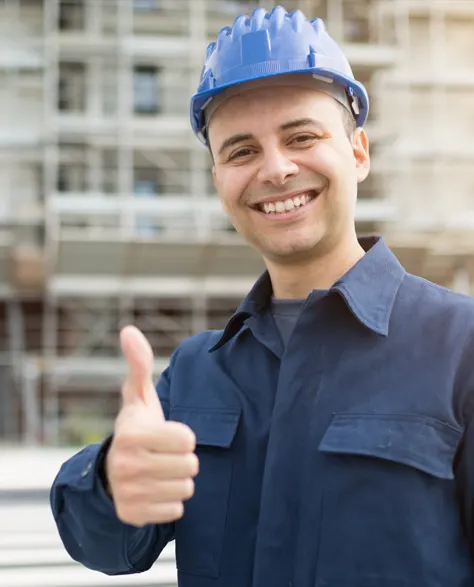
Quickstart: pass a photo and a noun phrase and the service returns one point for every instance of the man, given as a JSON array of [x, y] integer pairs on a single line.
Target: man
[[325, 437]]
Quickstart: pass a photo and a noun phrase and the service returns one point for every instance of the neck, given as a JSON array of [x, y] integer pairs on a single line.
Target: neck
[[297, 280]]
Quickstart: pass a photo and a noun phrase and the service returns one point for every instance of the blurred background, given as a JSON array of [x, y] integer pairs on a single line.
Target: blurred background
[[108, 215]]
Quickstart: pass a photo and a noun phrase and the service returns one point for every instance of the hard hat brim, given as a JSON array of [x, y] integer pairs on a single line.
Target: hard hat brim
[[353, 87]]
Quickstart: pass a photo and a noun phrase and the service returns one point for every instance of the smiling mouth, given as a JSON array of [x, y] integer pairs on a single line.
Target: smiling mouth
[[287, 205]]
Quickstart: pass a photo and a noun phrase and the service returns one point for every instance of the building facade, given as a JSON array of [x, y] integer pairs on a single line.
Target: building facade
[[108, 214]]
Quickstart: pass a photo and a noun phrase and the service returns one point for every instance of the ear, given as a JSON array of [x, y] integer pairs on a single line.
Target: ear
[[360, 148]]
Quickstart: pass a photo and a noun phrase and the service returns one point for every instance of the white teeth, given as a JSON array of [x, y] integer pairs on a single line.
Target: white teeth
[[287, 205]]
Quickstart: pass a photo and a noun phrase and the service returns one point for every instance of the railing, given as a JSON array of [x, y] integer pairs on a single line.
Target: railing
[[164, 17], [96, 106], [145, 216], [171, 214], [348, 21]]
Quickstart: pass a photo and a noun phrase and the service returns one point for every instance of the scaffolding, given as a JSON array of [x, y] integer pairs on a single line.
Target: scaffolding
[[427, 100], [111, 217]]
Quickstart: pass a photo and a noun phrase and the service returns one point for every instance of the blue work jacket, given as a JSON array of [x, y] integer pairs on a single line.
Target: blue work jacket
[[344, 460]]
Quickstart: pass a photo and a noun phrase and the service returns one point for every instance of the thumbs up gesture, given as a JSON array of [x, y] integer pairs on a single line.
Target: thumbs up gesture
[[151, 463]]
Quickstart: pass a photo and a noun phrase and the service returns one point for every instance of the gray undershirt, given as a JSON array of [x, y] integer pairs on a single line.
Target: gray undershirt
[[286, 313]]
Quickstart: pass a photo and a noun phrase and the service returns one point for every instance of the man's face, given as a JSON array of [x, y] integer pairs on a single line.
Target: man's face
[[286, 148]]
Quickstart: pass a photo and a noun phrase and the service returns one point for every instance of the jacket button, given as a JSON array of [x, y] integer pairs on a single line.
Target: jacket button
[[86, 470]]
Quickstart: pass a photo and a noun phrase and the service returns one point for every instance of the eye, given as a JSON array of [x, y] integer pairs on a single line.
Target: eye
[[245, 152], [303, 138]]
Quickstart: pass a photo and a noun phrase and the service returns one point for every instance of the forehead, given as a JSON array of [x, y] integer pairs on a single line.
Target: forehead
[[271, 106]]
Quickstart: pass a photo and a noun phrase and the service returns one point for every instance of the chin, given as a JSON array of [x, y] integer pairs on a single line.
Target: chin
[[292, 253]]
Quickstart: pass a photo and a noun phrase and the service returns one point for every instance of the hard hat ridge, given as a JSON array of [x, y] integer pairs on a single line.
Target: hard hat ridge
[[268, 44]]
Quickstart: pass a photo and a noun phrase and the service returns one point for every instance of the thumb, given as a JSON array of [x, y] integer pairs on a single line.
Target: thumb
[[138, 387]]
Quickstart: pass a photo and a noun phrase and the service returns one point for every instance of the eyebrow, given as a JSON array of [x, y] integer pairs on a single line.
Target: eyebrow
[[240, 138], [234, 140], [301, 122]]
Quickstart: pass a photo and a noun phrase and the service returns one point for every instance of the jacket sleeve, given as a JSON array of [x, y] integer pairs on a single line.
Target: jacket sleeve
[[464, 461], [86, 520], [464, 471]]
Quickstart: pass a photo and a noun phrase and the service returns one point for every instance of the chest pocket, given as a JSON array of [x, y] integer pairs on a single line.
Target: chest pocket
[[200, 533], [417, 441], [388, 489]]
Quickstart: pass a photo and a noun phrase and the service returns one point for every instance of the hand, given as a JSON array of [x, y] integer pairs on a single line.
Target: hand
[[151, 463]]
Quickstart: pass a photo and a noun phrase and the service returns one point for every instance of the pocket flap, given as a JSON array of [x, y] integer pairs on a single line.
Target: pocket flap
[[418, 441], [212, 427]]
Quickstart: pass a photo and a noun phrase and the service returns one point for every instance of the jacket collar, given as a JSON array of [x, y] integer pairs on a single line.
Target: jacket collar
[[369, 289]]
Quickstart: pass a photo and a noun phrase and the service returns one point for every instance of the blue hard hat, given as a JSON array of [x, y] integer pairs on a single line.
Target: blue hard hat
[[270, 44]]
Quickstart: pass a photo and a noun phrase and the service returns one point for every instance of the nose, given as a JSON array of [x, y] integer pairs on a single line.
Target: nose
[[277, 169]]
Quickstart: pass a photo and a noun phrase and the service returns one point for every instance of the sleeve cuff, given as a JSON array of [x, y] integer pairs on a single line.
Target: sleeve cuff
[[99, 469]]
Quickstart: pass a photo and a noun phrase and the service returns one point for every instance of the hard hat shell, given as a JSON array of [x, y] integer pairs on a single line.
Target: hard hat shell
[[270, 44]]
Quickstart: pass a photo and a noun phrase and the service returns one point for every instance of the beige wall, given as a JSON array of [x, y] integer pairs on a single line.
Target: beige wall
[[427, 100]]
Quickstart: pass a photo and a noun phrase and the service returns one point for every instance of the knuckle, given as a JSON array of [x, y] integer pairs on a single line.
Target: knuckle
[[171, 511], [193, 464], [190, 439], [188, 488], [177, 510], [182, 435]]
